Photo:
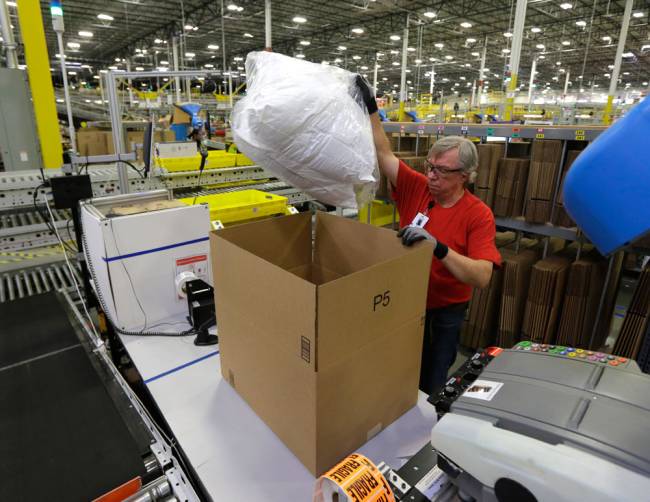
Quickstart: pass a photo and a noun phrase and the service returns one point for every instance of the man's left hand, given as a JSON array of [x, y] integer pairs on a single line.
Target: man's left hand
[[411, 234]]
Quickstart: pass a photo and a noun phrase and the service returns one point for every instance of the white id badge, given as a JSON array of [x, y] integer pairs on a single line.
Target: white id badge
[[420, 220]]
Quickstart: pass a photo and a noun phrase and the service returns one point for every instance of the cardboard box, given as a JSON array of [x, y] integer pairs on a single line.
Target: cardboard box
[[323, 341], [91, 142], [180, 117]]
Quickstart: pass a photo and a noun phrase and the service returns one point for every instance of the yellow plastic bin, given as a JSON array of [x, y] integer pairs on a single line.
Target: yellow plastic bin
[[232, 207], [380, 215]]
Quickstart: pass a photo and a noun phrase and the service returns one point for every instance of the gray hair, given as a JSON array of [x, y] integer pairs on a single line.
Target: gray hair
[[467, 154]]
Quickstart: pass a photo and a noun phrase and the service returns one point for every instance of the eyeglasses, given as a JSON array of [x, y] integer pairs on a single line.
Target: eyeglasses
[[441, 171]]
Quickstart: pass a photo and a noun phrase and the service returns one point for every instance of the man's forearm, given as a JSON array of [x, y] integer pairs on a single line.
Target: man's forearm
[[476, 273], [388, 163]]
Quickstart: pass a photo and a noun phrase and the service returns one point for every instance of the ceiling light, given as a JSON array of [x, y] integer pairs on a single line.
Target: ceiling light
[[188, 27], [558, 63], [644, 83], [486, 69], [86, 34], [470, 40], [342, 48], [535, 30], [606, 75], [299, 19], [232, 7], [566, 42], [364, 67], [628, 54], [607, 38], [72, 73], [139, 68], [449, 58], [439, 45], [394, 52], [611, 66], [476, 54], [581, 23], [384, 79], [626, 73], [248, 35], [158, 41], [112, 67], [379, 54], [356, 58], [638, 14], [96, 77], [338, 60], [213, 47], [541, 57], [395, 37], [300, 56], [566, 5], [238, 58], [540, 46], [395, 63], [507, 34], [505, 51], [189, 55], [418, 61], [465, 24], [164, 63], [357, 31], [196, 28], [430, 14], [103, 17], [467, 65], [74, 45], [305, 42], [410, 49]]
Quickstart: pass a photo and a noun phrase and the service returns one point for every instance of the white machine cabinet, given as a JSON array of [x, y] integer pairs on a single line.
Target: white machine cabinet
[[135, 259]]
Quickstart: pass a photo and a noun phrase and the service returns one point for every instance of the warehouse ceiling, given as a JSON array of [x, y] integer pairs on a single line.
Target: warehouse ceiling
[[578, 37]]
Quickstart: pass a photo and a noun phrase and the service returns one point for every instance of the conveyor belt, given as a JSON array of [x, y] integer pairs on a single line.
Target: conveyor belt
[[26, 283], [62, 436]]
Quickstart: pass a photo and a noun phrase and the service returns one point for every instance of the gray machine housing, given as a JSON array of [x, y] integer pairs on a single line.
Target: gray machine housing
[[597, 408]]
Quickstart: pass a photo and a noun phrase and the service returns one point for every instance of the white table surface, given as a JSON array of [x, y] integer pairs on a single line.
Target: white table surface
[[236, 455]]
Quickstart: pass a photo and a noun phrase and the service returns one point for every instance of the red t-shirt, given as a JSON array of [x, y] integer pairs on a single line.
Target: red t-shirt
[[467, 227]]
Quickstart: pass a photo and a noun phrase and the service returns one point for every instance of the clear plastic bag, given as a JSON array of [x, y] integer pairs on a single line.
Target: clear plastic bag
[[307, 124]]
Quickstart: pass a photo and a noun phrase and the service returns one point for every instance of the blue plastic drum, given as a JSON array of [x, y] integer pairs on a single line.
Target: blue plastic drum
[[607, 189]]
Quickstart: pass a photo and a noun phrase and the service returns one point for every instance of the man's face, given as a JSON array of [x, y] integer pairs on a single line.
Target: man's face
[[444, 173]]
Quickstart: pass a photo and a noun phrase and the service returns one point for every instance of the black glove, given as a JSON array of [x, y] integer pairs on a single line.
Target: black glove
[[410, 235], [367, 94]]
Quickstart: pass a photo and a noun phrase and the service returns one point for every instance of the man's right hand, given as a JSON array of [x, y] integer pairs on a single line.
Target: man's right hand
[[367, 94]]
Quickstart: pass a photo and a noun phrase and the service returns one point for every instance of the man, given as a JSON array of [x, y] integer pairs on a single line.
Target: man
[[438, 208]]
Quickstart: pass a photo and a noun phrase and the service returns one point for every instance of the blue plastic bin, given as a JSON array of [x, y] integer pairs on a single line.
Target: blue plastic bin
[[607, 189]]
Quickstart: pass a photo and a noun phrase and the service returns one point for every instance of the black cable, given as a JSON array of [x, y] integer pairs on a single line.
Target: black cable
[[134, 168], [46, 219], [102, 303], [198, 186]]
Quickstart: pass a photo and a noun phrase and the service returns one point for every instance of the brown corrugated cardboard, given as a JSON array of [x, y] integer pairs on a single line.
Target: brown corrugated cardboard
[[179, 116], [91, 142], [488, 165], [510, 187], [322, 341], [544, 170], [562, 218]]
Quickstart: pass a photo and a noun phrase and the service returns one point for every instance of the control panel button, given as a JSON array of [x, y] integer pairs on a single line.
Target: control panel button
[[614, 363], [572, 354], [449, 391], [579, 351], [476, 364], [611, 358], [621, 359]]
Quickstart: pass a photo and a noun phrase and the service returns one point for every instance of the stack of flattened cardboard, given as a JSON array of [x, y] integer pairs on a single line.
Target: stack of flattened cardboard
[[516, 276], [479, 329], [583, 291], [562, 218], [635, 324], [544, 301], [510, 187], [410, 159], [544, 170], [489, 155], [416, 163]]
